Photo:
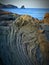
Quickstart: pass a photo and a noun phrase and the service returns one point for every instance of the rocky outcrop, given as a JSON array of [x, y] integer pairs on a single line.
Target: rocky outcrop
[[43, 38], [22, 6], [46, 15], [22, 44], [5, 15], [4, 12], [11, 6], [7, 6], [46, 19]]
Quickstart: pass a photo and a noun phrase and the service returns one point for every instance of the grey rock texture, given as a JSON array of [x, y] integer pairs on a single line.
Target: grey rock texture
[[22, 44]]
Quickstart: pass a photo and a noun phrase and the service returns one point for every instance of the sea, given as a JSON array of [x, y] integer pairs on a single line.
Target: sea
[[34, 12]]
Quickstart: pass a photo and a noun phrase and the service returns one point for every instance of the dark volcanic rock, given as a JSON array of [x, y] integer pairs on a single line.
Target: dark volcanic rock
[[22, 44], [22, 6]]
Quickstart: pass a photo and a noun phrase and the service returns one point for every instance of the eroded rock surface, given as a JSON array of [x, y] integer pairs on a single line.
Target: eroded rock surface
[[21, 43], [46, 19]]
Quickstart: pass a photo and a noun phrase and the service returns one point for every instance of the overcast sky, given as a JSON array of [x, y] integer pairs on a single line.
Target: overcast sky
[[28, 3]]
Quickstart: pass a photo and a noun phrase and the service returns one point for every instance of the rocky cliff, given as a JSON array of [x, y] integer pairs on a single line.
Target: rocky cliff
[[23, 42]]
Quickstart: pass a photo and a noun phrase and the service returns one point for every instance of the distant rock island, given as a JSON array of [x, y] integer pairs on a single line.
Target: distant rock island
[[22, 6], [24, 40], [9, 6]]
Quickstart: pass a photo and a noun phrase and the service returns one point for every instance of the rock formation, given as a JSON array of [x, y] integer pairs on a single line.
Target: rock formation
[[43, 38], [46, 19], [7, 6], [5, 15], [22, 44], [11, 6], [4, 12], [22, 6], [46, 15]]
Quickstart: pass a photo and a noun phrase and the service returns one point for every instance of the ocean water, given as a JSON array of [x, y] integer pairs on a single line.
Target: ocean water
[[34, 12]]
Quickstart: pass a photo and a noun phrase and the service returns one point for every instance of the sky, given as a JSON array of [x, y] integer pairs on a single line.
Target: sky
[[28, 3]]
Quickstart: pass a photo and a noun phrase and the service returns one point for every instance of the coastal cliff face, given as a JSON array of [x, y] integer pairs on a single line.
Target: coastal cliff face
[[23, 42]]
